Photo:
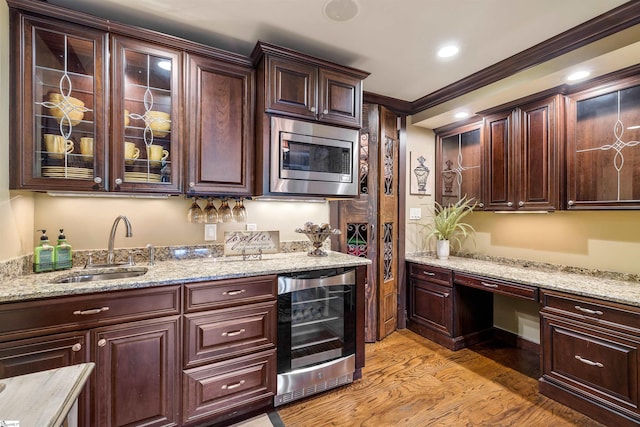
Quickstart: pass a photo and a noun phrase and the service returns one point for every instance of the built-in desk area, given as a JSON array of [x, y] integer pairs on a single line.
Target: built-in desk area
[[589, 325]]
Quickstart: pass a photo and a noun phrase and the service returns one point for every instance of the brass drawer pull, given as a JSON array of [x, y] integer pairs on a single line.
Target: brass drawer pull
[[91, 311], [232, 386], [586, 310], [488, 285], [428, 273], [589, 362], [232, 333], [232, 293]]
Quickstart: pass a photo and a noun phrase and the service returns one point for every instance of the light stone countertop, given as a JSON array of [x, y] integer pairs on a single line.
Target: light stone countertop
[[44, 398], [626, 292], [35, 286]]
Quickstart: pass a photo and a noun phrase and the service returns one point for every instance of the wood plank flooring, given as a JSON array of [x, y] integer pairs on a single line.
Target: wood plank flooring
[[411, 381]]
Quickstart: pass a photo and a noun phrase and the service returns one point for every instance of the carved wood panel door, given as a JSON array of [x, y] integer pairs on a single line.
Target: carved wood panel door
[[364, 222], [387, 224]]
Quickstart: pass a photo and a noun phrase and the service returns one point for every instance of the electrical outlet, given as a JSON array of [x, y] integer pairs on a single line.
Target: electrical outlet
[[415, 213], [252, 227], [210, 231]]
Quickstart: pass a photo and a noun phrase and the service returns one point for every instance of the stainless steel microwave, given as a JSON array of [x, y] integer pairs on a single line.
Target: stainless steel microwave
[[313, 159]]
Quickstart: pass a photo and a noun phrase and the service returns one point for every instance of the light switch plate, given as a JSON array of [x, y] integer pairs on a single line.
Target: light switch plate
[[415, 213], [252, 227], [210, 231]]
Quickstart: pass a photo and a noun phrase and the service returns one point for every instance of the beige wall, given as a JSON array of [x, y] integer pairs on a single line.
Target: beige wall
[[87, 221], [16, 210]]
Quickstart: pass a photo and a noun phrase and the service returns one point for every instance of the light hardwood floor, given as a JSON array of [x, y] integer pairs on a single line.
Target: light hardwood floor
[[411, 381]]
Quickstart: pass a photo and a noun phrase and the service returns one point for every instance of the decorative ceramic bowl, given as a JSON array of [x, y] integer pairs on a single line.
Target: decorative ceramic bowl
[[317, 235], [68, 110], [159, 122]]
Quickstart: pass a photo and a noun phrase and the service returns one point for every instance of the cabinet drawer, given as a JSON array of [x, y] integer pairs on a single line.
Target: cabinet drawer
[[230, 332], [437, 275], [593, 311], [46, 316], [221, 293], [589, 360], [225, 388], [42, 353], [497, 286]]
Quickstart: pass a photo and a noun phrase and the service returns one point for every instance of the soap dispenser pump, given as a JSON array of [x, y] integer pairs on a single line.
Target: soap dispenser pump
[[43, 255], [62, 255]]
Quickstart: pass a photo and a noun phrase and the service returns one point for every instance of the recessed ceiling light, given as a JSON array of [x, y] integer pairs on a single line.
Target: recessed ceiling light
[[448, 51], [578, 75], [462, 115], [165, 65], [341, 10]]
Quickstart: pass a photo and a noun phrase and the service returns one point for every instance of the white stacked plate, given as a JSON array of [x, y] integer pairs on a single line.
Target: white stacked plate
[[142, 177]]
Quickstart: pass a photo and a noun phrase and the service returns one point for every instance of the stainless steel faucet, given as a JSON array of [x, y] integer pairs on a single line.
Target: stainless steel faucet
[[112, 236]]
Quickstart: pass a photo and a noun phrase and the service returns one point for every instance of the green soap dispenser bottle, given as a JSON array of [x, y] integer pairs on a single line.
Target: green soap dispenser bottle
[[43, 255], [62, 255]]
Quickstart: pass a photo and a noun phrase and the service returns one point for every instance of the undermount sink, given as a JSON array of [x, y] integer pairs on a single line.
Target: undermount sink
[[104, 275]]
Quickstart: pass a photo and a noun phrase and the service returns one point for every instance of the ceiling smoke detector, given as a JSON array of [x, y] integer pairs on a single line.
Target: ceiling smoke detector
[[341, 10]]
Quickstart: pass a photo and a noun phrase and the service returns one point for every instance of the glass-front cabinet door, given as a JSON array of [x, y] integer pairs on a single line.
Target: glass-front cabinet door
[[603, 147], [458, 165], [58, 129], [145, 117]]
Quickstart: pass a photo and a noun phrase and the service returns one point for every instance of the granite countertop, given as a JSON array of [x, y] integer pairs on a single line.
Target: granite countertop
[[34, 286], [622, 291]]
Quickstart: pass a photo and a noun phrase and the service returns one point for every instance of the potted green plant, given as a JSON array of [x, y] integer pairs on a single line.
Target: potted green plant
[[447, 225]]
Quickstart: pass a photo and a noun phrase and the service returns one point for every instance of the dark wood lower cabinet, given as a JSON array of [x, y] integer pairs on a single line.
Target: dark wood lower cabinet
[[137, 379], [224, 390], [195, 354], [591, 357], [590, 349], [26, 356], [452, 316]]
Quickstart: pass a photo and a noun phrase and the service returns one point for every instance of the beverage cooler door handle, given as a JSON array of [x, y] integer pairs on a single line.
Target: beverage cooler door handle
[[293, 284]]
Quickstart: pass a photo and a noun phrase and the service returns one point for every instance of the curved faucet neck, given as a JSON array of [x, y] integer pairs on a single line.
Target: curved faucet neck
[[112, 236]]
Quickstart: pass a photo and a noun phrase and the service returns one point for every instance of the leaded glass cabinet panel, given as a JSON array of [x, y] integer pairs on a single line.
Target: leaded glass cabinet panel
[[146, 116], [58, 135], [458, 164], [603, 147]]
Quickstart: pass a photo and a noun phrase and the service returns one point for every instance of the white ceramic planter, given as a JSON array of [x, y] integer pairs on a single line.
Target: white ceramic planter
[[442, 249]]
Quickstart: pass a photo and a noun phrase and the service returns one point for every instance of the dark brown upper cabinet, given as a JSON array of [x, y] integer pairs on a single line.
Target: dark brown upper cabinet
[[522, 157], [603, 148], [145, 132], [459, 166], [69, 133], [298, 85], [59, 138], [220, 134]]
